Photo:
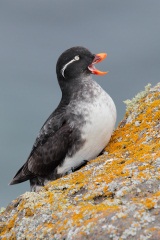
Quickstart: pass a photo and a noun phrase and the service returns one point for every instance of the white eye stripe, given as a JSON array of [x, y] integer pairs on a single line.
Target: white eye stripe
[[76, 58], [65, 66]]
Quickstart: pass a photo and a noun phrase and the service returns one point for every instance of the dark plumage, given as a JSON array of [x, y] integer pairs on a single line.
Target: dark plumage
[[57, 148]]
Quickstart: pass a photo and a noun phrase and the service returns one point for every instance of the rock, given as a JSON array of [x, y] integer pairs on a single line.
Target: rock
[[116, 196]]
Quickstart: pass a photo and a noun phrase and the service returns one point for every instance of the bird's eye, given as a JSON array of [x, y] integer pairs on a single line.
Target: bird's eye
[[76, 58]]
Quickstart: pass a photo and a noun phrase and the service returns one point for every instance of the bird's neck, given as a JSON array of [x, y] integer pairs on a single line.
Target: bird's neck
[[80, 89], [72, 86]]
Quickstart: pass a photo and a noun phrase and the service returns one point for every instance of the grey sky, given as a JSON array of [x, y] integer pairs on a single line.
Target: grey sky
[[33, 33]]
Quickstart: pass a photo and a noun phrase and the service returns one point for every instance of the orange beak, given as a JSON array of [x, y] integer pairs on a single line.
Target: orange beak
[[98, 58]]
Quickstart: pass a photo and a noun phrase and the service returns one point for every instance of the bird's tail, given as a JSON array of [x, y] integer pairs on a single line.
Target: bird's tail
[[22, 175]]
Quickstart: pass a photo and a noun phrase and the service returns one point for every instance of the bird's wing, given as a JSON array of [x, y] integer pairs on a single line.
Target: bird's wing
[[49, 149], [48, 154]]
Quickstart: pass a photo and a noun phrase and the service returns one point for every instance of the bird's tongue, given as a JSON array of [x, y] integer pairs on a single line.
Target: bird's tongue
[[98, 58], [95, 71]]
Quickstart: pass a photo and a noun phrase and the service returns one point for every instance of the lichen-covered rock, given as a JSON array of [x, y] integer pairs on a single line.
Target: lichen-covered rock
[[116, 196]]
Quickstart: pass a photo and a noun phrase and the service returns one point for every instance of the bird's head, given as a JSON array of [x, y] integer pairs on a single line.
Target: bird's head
[[77, 63]]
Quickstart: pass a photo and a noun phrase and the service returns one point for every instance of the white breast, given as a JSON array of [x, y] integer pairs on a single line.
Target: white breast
[[97, 131]]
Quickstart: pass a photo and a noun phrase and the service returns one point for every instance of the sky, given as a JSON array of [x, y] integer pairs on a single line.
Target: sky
[[33, 33]]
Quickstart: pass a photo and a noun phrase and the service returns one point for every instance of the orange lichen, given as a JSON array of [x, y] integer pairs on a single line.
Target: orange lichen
[[157, 194], [38, 205], [28, 212], [11, 222], [127, 138], [149, 203], [49, 225], [50, 197], [7, 227]]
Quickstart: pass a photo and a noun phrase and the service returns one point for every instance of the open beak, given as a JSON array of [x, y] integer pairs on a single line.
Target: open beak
[[98, 58]]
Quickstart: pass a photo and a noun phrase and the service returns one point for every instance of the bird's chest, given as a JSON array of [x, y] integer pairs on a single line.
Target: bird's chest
[[99, 121], [95, 121]]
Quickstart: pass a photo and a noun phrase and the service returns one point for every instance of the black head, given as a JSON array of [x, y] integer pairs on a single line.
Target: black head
[[73, 63]]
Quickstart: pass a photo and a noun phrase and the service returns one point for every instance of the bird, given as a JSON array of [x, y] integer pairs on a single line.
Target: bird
[[78, 129]]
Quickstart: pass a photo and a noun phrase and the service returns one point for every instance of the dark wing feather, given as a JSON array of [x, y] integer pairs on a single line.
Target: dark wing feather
[[49, 149], [45, 158]]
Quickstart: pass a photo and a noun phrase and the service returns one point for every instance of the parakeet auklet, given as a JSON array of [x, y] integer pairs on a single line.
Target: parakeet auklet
[[79, 128]]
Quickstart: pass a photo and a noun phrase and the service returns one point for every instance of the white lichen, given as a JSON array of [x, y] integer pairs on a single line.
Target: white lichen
[[131, 103]]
